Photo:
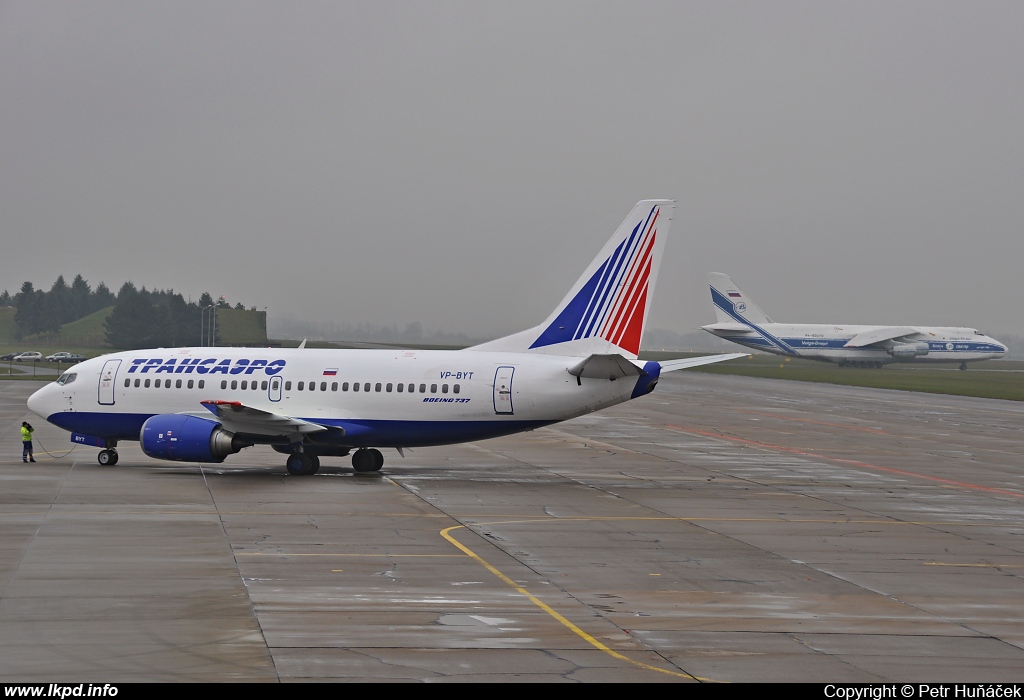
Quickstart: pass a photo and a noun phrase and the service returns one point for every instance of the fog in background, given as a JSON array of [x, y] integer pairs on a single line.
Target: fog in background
[[458, 164]]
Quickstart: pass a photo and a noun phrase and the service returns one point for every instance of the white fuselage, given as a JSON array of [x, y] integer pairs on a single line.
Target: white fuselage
[[828, 342], [405, 397]]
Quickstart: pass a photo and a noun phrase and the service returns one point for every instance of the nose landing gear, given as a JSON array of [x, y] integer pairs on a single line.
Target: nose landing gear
[[107, 457]]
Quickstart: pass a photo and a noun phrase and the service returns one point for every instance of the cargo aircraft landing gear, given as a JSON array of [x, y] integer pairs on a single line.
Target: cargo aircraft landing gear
[[107, 458], [364, 461], [302, 464]]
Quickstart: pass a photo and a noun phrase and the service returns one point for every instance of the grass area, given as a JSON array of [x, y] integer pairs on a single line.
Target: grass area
[[87, 331], [993, 379]]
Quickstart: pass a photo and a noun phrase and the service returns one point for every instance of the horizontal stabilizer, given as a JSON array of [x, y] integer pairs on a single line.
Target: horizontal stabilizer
[[673, 365], [605, 367], [877, 335], [239, 418]]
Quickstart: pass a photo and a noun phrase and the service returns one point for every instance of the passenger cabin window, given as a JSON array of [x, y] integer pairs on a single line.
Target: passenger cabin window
[[377, 387], [223, 383], [177, 384], [355, 386], [423, 388], [334, 386], [400, 387], [444, 388], [127, 382], [287, 386], [190, 383], [301, 385], [433, 388], [344, 386], [388, 387], [455, 389], [146, 384], [323, 386], [136, 383], [202, 383], [263, 386], [366, 386], [156, 384], [234, 383]]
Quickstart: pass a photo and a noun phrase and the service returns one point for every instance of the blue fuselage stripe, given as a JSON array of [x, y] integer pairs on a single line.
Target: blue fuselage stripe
[[358, 433]]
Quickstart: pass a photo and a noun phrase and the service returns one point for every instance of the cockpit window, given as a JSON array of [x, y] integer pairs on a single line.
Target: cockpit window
[[67, 378]]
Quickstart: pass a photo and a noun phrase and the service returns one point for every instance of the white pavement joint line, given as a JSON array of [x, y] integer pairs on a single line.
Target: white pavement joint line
[[234, 558]]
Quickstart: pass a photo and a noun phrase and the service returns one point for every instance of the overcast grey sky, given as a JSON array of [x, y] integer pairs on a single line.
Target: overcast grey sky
[[460, 163]]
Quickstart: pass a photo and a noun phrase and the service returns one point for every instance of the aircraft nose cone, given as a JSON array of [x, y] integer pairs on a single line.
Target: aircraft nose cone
[[37, 402]]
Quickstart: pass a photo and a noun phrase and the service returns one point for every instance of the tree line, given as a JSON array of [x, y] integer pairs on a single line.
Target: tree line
[[140, 318]]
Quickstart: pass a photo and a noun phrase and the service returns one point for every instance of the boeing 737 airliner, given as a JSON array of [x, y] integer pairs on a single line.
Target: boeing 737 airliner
[[741, 321], [203, 404]]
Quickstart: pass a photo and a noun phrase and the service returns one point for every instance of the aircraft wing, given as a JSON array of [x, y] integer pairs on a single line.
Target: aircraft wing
[[687, 363], [877, 335], [239, 418], [731, 328]]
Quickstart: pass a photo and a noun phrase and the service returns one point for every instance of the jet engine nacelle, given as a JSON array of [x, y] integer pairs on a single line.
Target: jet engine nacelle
[[188, 439], [904, 351]]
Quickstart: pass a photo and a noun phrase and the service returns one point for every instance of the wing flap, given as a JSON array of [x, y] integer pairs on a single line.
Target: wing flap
[[239, 418]]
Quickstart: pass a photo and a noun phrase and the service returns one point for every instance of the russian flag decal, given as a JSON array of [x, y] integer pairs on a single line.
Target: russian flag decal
[[331, 372]]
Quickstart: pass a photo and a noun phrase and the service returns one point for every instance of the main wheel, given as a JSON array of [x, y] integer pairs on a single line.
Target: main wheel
[[314, 464], [299, 464], [365, 461]]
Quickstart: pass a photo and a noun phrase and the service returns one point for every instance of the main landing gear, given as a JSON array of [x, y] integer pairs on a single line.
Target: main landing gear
[[306, 464], [107, 457], [302, 464], [364, 461]]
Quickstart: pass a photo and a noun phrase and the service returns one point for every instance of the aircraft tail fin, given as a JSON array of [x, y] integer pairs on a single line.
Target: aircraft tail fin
[[606, 310], [732, 305]]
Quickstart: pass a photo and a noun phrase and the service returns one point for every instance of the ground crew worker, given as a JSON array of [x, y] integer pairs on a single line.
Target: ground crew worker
[[26, 442]]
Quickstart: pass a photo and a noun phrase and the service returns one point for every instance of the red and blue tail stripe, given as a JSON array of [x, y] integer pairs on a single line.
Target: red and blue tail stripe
[[613, 302]]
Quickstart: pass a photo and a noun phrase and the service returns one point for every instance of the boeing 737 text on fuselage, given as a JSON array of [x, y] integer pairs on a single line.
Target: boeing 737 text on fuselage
[[741, 321], [204, 404]]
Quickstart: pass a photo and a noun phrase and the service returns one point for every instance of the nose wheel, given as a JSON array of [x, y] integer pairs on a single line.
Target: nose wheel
[[107, 458], [364, 461]]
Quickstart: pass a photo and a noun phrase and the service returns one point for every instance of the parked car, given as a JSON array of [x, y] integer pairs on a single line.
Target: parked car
[[9, 356], [74, 357], [57, 357], [29, 357]]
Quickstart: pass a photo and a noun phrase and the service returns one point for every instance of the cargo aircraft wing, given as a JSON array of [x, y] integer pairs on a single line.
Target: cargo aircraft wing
[[877, 335]]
